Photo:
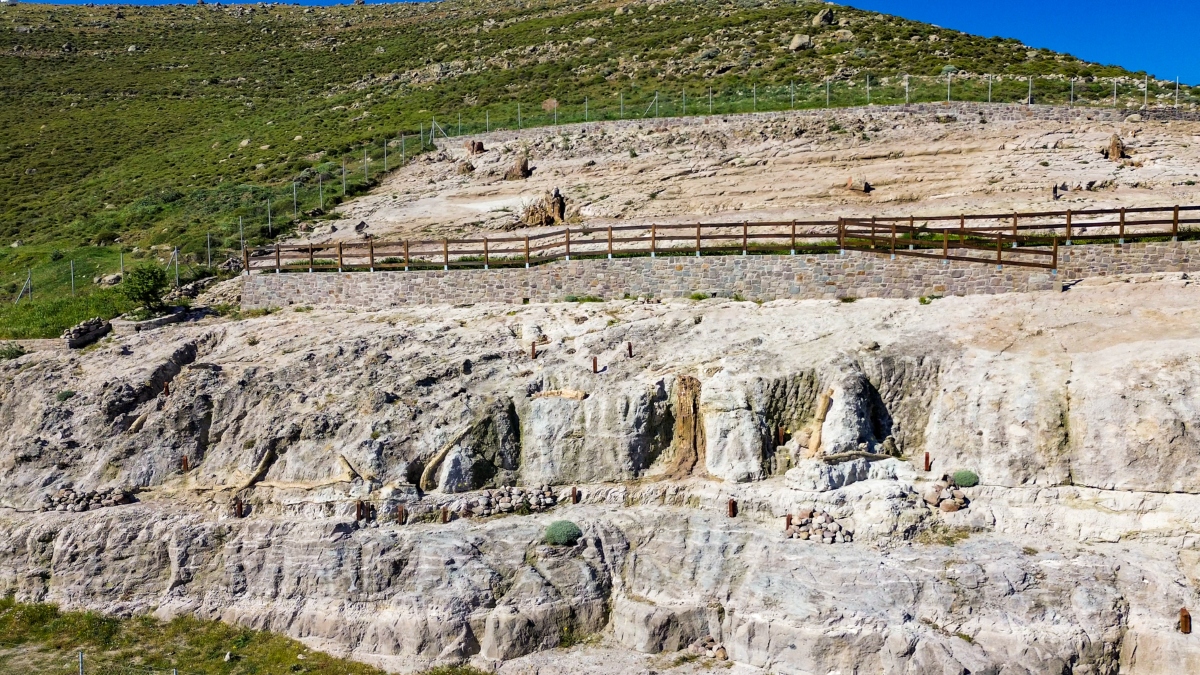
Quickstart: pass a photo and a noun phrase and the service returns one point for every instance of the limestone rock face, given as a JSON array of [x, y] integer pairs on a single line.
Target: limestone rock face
[[378, 483]]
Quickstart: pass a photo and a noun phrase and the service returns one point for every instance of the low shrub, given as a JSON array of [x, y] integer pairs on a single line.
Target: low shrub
[[562, 533], [965, 478], [11, 350], [65, 395]]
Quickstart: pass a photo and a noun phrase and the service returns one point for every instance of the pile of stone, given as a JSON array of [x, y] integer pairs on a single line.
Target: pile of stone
[[945, 496], [818, 526], [76, 502], [86, 332], [708, 646], [509, 500]]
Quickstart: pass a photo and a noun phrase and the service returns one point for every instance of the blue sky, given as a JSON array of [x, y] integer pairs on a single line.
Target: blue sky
[[1161, 37]]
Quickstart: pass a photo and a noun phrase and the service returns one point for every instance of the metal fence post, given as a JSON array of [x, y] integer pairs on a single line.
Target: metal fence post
[[73, 278]]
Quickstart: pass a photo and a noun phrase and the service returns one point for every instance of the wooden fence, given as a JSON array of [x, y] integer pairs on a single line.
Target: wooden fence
[[1019, 239]]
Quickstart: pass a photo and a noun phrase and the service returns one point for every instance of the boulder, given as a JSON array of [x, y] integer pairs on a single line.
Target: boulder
[[520, 169], [823, 18], [1115, 151], [800, 42], [86, 332]]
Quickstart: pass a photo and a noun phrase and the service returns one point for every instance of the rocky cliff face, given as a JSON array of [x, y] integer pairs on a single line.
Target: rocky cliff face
[[343, 478]]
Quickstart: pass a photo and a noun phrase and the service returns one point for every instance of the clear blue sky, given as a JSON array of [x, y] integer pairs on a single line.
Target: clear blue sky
[[1161, 37]]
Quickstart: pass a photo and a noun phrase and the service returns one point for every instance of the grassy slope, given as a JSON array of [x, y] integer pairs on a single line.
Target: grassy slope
[[39, 638], [164, 145]]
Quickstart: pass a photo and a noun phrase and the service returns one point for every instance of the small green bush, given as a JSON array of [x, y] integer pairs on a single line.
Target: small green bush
[[11, 350], [562, 533], [965, 478], [65, 395], [583, 298], [698, 296], [145, 285]]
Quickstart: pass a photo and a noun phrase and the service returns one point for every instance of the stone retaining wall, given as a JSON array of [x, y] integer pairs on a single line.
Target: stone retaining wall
[[755, 277]]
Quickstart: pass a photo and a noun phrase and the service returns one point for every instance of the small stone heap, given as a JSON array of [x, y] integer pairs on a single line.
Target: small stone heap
[[76, 502], [708, 646], [86, 333], [510, 499], [818, 526], [945, 496]]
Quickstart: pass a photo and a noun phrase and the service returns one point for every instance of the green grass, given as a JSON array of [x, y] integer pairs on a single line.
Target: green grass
[[99, 144], [40, 638]]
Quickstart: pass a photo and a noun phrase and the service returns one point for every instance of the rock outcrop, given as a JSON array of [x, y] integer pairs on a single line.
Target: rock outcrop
[[378, 483]]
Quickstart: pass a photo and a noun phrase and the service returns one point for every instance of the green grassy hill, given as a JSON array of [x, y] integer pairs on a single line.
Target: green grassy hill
[[166, 125]]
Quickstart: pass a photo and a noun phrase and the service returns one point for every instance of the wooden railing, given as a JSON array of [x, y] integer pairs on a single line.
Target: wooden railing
[[1019, 239]]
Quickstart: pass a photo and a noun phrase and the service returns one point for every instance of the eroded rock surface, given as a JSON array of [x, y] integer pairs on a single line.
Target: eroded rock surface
[[377, 483]]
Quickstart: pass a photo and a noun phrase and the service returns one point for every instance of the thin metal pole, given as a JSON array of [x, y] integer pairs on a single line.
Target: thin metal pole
[[72, 277], [121, 257], [754, 93], [656, 105], [556, 113], [296, 200], [1146, 93], [827, 92], [1029, 99], [685, 101], [622, 95], [321, 190], [1071, 100], [989, 88], [868, 89], [792, 86], [906, 89], [270, 229], [242, 233], [1176, 92], [460, 123], [949, 77], [343, 176], [208, 249], [1114, 93], [487, 121], [403, 149], [366, 163], [81, 662], [585, 108], [177, 264], [710, 100], [518, 115], [385, 144]]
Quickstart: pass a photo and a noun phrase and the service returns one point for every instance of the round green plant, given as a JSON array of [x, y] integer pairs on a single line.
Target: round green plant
[[965, 478], [563, 533], [145, 285]]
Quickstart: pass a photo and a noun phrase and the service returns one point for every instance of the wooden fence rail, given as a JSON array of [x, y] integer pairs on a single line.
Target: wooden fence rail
[[1020, 239]]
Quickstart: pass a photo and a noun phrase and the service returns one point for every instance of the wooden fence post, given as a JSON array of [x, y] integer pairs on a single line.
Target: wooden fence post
[[745, 237], [999, 253], [872, 231], [1122, 229], [567, 234], [405, 255], [486, 259], [893, 240], [1015, 234], [277, 260], [533, 351], [912, 232], [697, 240], [401, 514], [841, 236], [310, 257], [1185, 621], [574, 495], [928, 463], [1068, 227], [445, 514], [595, 366], [445, 254], [732, 508], [246, 260], [793, 237], [610, 242], [653, 236], [371, 252], [946, 245], [526, 252], [962, 228], [1175, 225], [339, 253], [1055, 255]]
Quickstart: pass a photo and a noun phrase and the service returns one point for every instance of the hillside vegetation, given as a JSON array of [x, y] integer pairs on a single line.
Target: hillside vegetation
[[178, 125]]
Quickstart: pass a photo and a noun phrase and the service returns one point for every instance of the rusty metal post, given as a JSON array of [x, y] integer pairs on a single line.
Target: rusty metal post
[[246, 261], [277, 259], [401, 514], [533, 350], [732, 508], [928, 463], [1185, 621], [310, 257], [405, 255], [486, 258], [339, 253], [358, 510], [567, 234], [445, 255], [1175, 225], [184, 462], [912, 232], [962, 228], [1015, 234], [574, 495], [445, 514], [629, 349], [166, 389], [526, 252], [595, 367], [793, 237], [893, 240], [237, 507], [653, 237], [610, 242], [872, 231], [841, 236], [371, 252], [697, 240], [1068, 227], [745, 237], [1122, 229]]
